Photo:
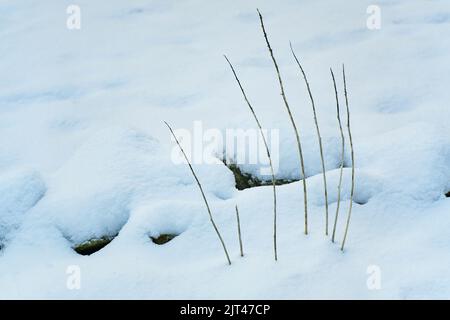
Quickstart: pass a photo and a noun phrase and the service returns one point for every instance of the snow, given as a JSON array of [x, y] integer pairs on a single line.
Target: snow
[[20, 190], [84, 152]]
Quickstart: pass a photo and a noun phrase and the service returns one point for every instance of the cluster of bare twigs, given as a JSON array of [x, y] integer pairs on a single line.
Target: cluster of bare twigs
[[300, 152]]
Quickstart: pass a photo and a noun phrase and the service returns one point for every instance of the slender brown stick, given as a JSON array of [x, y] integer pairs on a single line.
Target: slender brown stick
[[239, 231], [268, 155], [324, 174], [342, 156], [353, 160], [302, 164], [203, 194]]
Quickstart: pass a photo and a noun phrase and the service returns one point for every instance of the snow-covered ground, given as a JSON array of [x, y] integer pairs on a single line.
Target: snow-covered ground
[[84, 152]]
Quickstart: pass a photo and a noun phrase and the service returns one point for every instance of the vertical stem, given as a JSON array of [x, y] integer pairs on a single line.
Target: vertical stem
[[342, 156], [268, 155], [203, 194], [318, 136], [239, 231], [305, 199], [353, 160]]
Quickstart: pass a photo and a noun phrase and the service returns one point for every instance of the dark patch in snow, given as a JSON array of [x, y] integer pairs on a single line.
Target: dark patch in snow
[[333, 40], [163, 238], [169, 101], [59, 94], [438, 18], [93, 245], [362, 198], [394, 104], [360, 201], [443, 17], [136, 11], [447, 194], [142, 11], [246, 180]]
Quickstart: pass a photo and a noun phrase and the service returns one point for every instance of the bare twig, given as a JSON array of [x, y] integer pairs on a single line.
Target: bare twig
[[268, 155], [203, 194], [239, 232], [353, 160], [305, 199], [342, 156], [324, 174]]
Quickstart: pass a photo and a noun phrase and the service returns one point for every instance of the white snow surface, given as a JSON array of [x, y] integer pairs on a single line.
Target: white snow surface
[[84, 152]]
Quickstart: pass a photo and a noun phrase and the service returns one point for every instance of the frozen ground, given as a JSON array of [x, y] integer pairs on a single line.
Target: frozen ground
[[84, 152]]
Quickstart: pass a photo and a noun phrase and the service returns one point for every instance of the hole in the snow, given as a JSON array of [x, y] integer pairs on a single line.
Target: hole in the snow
[[362, 197], [360, 201], [91, 246], [245, 180], [163, 238], [447, 194]]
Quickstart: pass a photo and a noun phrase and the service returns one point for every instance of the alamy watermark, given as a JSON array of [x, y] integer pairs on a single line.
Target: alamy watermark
[[374, 280], [73, 281], [73, 21], [210, 146], [373, 21]]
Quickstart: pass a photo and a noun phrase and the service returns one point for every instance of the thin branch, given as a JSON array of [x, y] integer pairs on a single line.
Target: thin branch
[[268, 155], [305, 199], [239, 232], [318, 136], [203, 194], [353, 160], [342, 156]]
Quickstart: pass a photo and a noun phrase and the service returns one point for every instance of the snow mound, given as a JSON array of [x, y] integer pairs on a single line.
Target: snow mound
[[92, 194], [413, 161], [20, 190]]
